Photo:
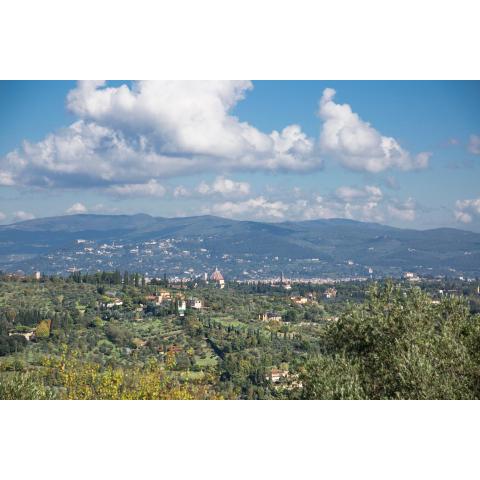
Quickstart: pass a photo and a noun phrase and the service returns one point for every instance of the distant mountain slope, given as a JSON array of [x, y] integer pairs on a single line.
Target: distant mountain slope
[[232, 244], [83, 222]]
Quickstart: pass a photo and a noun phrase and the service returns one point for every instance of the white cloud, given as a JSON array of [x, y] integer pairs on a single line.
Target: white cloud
[[261, 208], [2, 217], [352, 193], [154, 130], [181, 191], [466, 210], [224, 186], [127, 139], [77, 208], [463, 216], [6, 178], [474, 144], [319, 207], [129, 136], [357, 145], [86, 154], [20, 216], [405, 211], [365, 204], [182, 116], [203, 188], [149, 189], [359, 203], [366, 212], [258, 208]]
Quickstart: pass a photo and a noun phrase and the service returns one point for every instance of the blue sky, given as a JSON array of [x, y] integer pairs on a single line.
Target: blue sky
[[400, 153]]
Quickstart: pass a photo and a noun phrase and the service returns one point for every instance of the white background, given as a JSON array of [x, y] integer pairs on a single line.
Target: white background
[[208, 39], [230, 39]]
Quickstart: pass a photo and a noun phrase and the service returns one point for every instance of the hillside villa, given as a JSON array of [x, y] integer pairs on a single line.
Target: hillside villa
[[270, 316]]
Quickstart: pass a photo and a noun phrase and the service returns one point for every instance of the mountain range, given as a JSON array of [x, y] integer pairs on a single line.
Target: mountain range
[[243, 249]]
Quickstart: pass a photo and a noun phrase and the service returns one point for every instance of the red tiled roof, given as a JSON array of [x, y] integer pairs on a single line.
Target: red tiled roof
[[216, 276]]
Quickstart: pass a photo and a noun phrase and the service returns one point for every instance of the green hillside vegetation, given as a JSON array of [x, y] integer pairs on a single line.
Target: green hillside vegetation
[[60, 340]]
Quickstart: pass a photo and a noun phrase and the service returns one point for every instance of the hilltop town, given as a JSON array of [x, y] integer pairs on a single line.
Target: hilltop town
[[187, 248]]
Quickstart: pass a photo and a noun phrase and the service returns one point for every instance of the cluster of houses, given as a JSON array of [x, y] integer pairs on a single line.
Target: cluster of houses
[[299, 300], [281, 377], [114, 302], [270, 317], [182, 304], [162, 297], [20, 275], [411, 277], [277, 375], [330, 292], [159, 298], [311, 297]]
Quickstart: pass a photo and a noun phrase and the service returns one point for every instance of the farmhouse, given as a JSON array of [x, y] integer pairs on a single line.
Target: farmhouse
[[270, 316], [330, 293], [411, 277], [194, 303], [277, 374], [299, 300], [159, 298], [115, 302]]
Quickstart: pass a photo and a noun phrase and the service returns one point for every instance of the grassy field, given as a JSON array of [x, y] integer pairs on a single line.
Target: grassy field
[[209, 361], [228, 321]]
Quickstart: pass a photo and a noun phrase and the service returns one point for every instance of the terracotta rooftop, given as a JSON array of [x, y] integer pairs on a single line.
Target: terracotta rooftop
[[216, 276]]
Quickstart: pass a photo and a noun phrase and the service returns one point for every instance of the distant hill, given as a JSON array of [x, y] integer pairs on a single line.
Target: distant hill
[[306, 248]]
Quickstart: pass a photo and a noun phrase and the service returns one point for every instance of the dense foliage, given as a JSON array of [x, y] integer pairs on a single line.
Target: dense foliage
[[399, 345], [104, 336]]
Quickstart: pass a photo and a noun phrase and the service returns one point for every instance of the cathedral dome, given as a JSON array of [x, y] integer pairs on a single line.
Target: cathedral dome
[[216, 276]]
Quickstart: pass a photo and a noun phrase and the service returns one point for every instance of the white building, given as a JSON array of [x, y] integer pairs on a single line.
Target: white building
[[411, 277], [330, 292], [194, 303], [181, 307]]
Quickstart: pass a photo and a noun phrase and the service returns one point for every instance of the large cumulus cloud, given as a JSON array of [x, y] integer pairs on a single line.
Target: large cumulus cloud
[[154, 130], [129, 135], [359, 146]]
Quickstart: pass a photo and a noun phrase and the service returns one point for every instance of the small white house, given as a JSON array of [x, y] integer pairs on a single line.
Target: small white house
[[181, 307], [195, 303]]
